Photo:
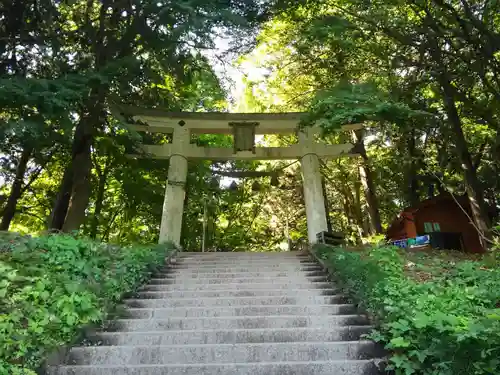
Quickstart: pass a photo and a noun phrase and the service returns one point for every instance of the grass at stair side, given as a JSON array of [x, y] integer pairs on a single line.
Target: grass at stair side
[[54, 286], [436, 315]]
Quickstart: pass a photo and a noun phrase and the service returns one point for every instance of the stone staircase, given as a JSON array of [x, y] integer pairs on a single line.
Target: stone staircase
[[232, 314]]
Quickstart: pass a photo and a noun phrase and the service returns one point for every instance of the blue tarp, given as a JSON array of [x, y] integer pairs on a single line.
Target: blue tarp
[[413, 242]]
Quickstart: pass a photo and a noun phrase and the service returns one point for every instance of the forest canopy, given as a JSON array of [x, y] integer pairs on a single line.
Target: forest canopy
[[423, 77]]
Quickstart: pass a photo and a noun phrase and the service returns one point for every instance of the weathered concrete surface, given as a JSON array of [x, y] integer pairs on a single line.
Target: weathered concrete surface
[[343, 367], [265, 280], [222, 353], [232, 314], [243, 270], [156, 300], [313, 188], [244, 286], [173, 204], [202, 312], [237, 322], [226, 336], [257, 292], [229, 275]]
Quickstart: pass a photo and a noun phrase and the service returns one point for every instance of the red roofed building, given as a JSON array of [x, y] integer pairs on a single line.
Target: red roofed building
[[440, 214]]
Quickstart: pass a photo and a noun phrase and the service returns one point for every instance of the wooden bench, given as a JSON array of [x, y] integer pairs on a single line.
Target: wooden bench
[[330, 238]]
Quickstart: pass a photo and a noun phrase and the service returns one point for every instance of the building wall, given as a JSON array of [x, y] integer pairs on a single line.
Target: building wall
[[402, 228], [451, 219], [410, 225], [398, 232]]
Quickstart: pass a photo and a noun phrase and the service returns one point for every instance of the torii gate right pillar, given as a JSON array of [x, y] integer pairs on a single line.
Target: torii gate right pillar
[[313, 189]]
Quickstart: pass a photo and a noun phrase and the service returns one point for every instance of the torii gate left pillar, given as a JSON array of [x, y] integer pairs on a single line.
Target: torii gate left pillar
[[173, 205]]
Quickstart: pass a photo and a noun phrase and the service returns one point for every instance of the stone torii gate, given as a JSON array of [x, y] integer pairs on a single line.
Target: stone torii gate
[[244, 127]]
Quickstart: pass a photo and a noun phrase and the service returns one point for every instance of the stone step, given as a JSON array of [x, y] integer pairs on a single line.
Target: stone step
[[200, 260], [341, 367], [164, 294], [239, 268], [244, 286], [225, 256], [191, 312], [222, 353], [269, 280], [249, 264], [240, 292], [235, 336], [238, 275], [253, 254], [238, 322], [243, 253], [232, 314], [243, 261], [306, 299]]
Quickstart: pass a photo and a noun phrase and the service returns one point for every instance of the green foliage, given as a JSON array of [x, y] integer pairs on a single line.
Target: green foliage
[[387, 64], [254, 219], [435, 316], [64, 67], [354, 104], [53, 286], [42, 96]]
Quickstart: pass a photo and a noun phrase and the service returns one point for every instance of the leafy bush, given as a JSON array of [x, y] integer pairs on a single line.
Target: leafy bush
[[53, 286], [11, 240], [434, 316]]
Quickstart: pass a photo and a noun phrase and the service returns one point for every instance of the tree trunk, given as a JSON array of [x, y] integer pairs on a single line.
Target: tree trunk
[[62, 200], [80, 194], [16, 190], [356, 212], [495, 155], [109, 224], [69, 202], [75, 195], [472, 184], [352, 210], [353, 214], [366, 178], [365, 224], [101, 189], [413, 193], [74, 191], [347, 210]]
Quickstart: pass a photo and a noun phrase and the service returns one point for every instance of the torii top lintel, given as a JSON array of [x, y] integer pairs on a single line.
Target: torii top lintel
[[159, 121]]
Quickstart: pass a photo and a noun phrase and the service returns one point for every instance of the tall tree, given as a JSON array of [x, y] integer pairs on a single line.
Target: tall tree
[[366, 178], [35, 101], [435, 58], [145, 37]]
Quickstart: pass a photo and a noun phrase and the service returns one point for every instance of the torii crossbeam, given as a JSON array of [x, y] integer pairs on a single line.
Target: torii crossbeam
[[244, 126]]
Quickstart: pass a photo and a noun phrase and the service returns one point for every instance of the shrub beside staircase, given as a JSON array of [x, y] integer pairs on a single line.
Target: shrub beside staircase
[[53, 287], [231, 314]]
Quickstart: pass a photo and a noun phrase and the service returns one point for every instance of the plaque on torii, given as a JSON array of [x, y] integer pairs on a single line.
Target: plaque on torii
[[244, 136]]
